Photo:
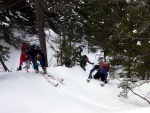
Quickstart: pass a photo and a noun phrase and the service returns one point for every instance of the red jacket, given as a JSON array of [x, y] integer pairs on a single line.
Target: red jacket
[[25, 48], [23, 58]]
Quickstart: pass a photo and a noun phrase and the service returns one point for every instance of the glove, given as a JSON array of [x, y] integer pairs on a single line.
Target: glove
[[90, 76], [19, 68]]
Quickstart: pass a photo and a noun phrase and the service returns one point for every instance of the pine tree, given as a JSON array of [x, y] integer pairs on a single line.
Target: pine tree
[[16, 15], [61, 15], [4, 51], [133, 28]]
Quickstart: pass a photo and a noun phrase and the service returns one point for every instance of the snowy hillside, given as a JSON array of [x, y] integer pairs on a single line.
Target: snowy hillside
[[22, 92]]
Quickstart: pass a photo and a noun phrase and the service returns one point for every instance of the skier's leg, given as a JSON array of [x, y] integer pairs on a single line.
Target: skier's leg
[[28, 64], [35, 65], [42, 65], [25, 62], [83, 66], [97, 76], [103, 77]]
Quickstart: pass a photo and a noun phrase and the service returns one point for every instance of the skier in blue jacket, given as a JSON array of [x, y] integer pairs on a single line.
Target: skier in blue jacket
[[36, 56], [101, 73]]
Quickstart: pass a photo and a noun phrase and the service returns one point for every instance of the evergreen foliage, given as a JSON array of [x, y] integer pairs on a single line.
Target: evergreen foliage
[[117, 25], [16, 15], [131, 30], [4, 53], [4, 56]]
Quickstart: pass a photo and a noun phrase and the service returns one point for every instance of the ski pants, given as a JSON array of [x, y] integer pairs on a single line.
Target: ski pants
[[35, 64], [99, 76]]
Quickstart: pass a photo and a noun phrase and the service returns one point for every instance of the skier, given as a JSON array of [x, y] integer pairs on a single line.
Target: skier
[[79, 51], [24, 57], [101, 72], [37, 55], [84, 59]]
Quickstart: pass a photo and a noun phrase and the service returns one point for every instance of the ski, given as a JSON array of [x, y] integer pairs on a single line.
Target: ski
[[57, 79], [53, 83], [51, 79]]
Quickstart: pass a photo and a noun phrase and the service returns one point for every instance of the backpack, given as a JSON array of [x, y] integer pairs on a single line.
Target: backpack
[[84, 58], [105, 65], [24, 48]]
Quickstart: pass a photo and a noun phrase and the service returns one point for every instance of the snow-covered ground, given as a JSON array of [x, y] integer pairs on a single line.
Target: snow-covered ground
[[22, 92]]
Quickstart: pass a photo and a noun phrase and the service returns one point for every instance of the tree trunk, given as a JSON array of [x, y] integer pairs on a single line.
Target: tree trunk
[[3, 64], [148, 75], [41, 24], [6, 35]]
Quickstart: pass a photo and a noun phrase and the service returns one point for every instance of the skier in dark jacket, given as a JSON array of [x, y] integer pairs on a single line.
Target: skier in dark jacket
[[101, 73], [37, 55], [79, 51], [84, 59]]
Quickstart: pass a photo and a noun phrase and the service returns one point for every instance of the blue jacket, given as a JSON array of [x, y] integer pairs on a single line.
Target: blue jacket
[[101, 70]]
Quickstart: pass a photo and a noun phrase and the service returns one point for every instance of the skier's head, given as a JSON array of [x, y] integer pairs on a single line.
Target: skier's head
[[85, 56]]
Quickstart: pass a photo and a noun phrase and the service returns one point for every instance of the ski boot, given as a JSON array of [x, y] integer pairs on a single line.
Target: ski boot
[[36, 70]]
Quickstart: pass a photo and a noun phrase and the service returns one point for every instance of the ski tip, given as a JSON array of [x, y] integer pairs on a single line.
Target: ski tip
[[56, 85]]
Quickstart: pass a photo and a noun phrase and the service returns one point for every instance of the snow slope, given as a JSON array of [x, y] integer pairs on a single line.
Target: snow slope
[[22, 92]]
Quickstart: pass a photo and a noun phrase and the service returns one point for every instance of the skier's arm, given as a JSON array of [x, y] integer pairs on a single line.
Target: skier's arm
[[89, 62], [91, 71]]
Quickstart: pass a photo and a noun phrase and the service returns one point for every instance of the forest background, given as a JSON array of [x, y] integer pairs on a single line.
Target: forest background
[[119, 27]]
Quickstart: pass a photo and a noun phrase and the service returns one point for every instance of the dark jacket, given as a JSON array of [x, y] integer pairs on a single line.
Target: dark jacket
[[84, 60], [101, 70]]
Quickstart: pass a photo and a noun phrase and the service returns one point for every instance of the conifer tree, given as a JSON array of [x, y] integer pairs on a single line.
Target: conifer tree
[[4, 51], [16, 15], [133, 28]]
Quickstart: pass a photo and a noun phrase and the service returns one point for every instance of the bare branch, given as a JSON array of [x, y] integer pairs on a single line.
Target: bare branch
[[134, 92]]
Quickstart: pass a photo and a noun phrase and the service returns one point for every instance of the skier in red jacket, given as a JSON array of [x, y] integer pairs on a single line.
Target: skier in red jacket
[[24, 57]]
